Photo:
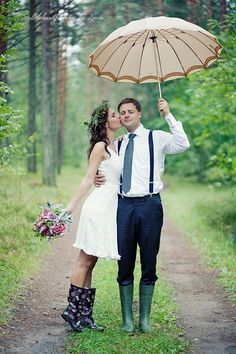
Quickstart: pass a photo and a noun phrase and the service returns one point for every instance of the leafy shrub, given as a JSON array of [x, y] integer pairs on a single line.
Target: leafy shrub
[[220, 214]]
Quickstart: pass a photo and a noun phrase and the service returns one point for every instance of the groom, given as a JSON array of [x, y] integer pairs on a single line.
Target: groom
[[140, 214]]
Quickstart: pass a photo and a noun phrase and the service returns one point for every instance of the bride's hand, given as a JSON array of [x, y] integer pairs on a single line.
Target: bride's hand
[[69, 211]]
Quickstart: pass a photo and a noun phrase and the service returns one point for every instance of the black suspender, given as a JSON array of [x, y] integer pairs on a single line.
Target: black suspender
[[151, 154], [118, 148], [119, 145]]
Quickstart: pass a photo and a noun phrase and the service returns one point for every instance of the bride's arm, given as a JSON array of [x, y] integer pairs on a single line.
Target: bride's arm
[[96, 156]]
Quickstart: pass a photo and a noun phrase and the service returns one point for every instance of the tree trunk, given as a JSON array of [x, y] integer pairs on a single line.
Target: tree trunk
[[48, 123], [3, 39], [160, 7], [31, 162], [145, 8], [193, 11], [223, 11], [62, 80], [56, 35], [126, 11], [3, 29], [3, 48], [209, 9]]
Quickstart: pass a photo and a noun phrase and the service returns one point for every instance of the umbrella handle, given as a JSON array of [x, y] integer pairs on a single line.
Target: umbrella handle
[[159, 89], [160, 95]]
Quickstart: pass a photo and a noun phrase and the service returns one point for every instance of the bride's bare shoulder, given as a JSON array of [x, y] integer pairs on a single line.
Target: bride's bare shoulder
[[99, 148]]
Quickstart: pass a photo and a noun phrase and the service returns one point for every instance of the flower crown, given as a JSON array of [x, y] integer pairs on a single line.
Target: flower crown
[[97, 118]]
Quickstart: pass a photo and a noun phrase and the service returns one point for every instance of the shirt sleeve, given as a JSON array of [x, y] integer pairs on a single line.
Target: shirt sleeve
[[176, 141]]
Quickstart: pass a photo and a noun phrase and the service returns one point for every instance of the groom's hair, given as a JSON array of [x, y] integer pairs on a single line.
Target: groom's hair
[[130, 100]]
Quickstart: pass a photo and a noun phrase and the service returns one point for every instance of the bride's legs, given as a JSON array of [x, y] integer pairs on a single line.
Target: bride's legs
[[77, 308], [81, 279], [82, 272], [88, 280]]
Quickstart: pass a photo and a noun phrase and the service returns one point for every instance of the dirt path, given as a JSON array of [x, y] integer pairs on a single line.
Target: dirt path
[[208, 318], [38, 327], [204, 312]]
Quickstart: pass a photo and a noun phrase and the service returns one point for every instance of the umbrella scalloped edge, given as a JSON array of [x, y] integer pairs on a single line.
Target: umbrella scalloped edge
[[151, 78]]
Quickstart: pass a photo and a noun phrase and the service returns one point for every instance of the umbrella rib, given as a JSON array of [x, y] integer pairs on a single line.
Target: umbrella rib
[[128, 53], [174, 52], [161, 73], [106, 47], [187, 46], [191, 35], [215, 41], [141, 56], [114, 52]]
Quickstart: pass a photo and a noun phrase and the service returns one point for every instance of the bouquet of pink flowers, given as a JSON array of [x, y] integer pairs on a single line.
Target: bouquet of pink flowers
[[52, 222]]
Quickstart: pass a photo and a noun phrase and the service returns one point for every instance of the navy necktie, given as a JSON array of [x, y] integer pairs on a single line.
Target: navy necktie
[[127, 167]]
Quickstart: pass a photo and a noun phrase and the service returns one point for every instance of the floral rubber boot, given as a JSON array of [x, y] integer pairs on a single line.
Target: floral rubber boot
[[71, 313], [87, 310]]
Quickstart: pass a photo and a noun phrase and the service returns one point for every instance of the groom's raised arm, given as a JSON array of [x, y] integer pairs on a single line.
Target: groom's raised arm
[[176, 141]]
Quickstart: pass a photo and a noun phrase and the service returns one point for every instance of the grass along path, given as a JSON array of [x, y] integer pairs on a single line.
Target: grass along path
[[207, 217], [204, 310], [21, 252]]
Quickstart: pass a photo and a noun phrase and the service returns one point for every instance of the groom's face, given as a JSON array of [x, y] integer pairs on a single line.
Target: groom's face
[[129, 116]]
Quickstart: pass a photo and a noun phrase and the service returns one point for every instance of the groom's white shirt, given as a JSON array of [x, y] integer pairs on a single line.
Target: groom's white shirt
[[164, 143]]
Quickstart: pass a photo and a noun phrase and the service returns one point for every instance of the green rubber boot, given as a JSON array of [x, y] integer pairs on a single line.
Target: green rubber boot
[[126, 300], [145, 301]]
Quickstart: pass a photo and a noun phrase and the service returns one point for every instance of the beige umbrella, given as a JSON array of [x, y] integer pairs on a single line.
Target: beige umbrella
[[154, 49]]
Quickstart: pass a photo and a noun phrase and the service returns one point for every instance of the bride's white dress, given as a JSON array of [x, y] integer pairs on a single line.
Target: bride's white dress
[[97, 230]]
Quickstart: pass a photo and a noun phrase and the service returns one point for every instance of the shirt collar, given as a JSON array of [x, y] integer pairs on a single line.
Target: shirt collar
[[139, 131]]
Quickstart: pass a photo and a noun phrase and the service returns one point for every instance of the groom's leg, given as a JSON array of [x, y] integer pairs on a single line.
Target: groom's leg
[[151, 216], [127, 241], [149, 235], [127, 246]]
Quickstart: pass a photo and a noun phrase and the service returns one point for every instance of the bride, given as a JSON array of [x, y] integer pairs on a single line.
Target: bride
[[97, 230]]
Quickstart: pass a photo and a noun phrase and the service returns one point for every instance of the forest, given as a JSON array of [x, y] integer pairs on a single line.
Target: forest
[[47, 92]]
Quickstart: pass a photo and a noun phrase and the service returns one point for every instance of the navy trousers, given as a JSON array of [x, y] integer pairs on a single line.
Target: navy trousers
[[139, 222]]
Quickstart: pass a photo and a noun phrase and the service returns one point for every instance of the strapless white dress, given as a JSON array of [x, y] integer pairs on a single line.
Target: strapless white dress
[[97, 229]]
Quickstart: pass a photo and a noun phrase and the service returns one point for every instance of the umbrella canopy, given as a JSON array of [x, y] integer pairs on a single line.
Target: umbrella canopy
[[154, 49]]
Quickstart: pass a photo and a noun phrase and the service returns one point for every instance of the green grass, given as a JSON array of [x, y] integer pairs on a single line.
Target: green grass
[[207, 216], [20, 251], [21, 254], [166, 337]]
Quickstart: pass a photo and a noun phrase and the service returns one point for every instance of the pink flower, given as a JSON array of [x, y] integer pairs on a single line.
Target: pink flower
[[45, 213], [52, 221]]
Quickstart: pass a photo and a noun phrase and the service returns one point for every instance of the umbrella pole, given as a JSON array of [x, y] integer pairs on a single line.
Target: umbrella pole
[[155, 50], [159, 89]]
